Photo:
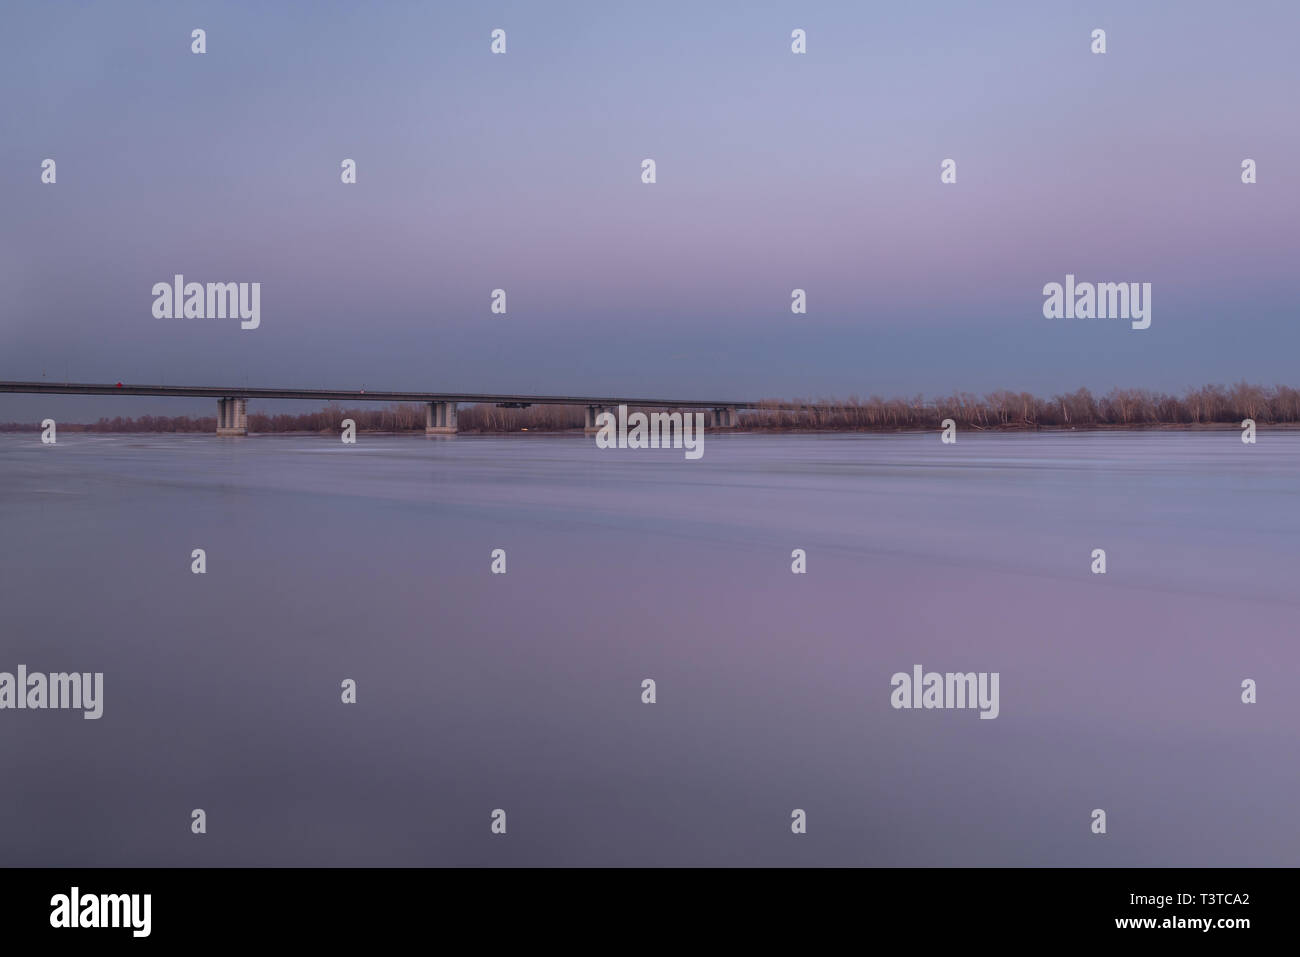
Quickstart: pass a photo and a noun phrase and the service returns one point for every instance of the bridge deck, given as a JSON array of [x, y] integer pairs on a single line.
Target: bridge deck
[[358, 395]]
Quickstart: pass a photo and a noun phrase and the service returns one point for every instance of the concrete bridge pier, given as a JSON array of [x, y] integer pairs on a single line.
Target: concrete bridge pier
[[440, 418], [723, 418], [589, 426], [232, 416]]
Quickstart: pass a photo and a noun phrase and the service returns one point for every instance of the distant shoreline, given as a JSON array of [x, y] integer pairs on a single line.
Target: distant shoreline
[[1206, 408], [80, 429]]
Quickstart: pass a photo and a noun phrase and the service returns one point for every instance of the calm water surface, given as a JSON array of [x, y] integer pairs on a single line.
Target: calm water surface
[[522, 691]]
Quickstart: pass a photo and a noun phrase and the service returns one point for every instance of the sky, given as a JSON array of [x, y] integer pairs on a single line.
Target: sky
[[522, 171]]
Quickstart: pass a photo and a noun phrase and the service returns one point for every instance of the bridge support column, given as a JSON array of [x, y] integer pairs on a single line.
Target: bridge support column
[[589, 424], [724, 418], [440, 418], [232, 416]]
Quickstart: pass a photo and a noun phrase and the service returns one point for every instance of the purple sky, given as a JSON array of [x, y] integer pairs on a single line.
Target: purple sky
[[522, 171]]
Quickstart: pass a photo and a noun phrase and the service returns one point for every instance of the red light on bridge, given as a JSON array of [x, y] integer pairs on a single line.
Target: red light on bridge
[[119, 385]]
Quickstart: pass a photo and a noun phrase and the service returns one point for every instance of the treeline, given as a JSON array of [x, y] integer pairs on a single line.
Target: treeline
[[1119, 408], [394, 418], [146, 423], [1003, 410], [537, 418]]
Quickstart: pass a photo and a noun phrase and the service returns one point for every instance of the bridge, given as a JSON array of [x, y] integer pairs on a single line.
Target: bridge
[[439, 407]]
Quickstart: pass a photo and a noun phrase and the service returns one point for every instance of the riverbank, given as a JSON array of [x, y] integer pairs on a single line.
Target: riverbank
[[1207, 407]]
